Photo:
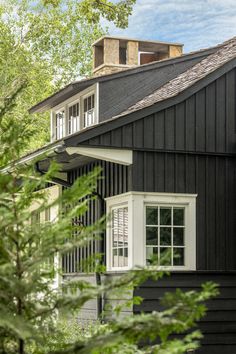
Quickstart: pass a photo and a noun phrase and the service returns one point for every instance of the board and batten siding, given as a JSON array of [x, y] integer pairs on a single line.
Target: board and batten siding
[[190, 148], [219, 325], [205, 122], [114, 180]]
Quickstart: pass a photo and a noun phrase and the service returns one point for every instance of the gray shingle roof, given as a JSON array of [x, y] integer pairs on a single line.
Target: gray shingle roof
[[225, 53]]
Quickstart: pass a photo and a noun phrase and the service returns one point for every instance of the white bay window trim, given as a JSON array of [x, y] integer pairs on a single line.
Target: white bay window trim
[[137, 203], [119, 203]]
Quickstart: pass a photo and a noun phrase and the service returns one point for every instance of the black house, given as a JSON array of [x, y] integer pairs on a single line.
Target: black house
[[163, 127]]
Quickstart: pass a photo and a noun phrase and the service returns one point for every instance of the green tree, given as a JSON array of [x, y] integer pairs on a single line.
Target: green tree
[[29, 304], [49, 43]]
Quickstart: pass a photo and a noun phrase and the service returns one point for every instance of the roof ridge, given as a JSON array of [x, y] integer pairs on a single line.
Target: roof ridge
[[225, 53]]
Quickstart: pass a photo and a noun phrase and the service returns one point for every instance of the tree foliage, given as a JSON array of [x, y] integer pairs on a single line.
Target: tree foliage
[[30, 306], [49, 44]]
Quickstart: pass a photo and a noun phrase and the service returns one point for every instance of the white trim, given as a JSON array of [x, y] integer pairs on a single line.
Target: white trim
[[154, 194], [78, 118], [79, 97], [139, 55], [123, 157], [52, 129], [136, 202], [109, 240], [74, 98], [83, 97]]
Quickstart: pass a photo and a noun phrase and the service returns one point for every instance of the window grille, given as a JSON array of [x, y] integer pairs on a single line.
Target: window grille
[[73, 119], [89, 111], [165, 235]]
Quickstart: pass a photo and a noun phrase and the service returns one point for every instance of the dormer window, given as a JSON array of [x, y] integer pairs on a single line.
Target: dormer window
[[89, 112], [60, 124], [74, 114], [73, 119]]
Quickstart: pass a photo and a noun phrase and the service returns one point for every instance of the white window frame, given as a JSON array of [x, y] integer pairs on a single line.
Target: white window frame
[[120, 202], [137, 202], [94, 109], [78, 123], [63, 108], [93, 89], [125, 205]]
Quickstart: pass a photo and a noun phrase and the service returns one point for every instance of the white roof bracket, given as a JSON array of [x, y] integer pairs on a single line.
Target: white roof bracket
[[120, 156]]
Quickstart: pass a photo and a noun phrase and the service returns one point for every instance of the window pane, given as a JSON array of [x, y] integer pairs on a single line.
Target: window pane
[[178, 216], [125, 257], [89, 103], [151, 216], [73, 118], [115, 258], [60, 124], [92, 101], [151, 254], [165, 236], [35, 218], [47, 214], [114, 238], [178, 234], [165, 256], [85, 104], [89, 111], [120, 258], [120, 237], [178, 257], [165, 216], [151, 235], [165, 232]]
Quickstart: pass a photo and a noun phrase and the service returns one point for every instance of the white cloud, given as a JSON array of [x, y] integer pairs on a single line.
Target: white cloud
[[196, 23]]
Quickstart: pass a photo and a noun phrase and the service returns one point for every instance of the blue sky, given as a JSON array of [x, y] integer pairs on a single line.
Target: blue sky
[[195, 23]]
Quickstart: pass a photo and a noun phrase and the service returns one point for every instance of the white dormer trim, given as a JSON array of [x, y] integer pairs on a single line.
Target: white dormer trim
[[78, 98]]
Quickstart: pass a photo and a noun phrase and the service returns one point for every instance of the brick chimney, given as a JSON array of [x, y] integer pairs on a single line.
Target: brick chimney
[[112, 54]]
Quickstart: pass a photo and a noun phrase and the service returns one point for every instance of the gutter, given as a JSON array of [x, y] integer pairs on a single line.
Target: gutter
[[49, 151]]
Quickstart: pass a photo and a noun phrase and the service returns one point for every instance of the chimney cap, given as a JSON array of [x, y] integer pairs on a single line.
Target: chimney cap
[[141, 41]]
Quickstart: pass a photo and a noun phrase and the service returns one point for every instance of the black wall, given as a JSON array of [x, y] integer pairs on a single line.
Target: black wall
[[213, 179], [219, 325], [114, 178]]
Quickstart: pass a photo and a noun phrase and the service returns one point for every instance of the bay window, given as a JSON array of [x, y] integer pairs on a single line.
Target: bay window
[[120, 237], [151, 229]]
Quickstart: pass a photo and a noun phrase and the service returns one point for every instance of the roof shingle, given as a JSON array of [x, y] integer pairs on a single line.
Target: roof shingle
[[225, 53]]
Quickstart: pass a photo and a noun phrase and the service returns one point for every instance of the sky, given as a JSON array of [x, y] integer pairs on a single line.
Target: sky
[[195, 23]]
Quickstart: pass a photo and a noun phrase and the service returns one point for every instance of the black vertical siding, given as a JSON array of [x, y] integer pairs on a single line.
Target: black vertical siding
[[114, 180], [204, 122], [212, 178], [219, 325], [114, 177]]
